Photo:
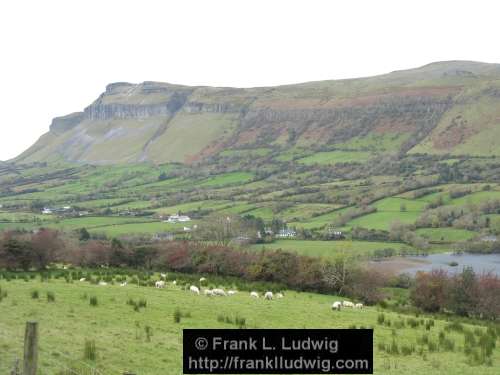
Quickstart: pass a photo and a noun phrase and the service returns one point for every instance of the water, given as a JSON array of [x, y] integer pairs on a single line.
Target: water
[[479, 262]]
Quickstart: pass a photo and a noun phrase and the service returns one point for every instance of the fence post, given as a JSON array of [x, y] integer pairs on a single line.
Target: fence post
[[30, 348]]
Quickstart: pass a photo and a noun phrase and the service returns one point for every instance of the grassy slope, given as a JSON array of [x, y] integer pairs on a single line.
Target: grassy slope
[[329, 249], [121, 343]]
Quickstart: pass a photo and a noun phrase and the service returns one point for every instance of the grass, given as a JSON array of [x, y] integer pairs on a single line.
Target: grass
[[446, 234], [329, 249], [333, 157], [74, 333], [227, 179], [383, 220]]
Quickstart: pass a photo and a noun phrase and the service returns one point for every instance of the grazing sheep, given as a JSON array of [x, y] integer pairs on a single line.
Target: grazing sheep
[[358, 306], [123, 284], [174, 282], [160, 284], [347, 304], [337, 305], [231, 292], [268, 295], [194, 289], [219, 292], [208, 292], [163, 276], [83, 279], [202, 279], [254, 294], [103, 283], [279, 295]]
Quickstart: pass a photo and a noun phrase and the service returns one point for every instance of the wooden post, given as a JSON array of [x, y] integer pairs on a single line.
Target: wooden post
[[30, 348]]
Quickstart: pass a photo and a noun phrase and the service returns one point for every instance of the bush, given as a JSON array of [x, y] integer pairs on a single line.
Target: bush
[[35, 294], [93, 301], [51, 297], [90, 351], [177, 315]]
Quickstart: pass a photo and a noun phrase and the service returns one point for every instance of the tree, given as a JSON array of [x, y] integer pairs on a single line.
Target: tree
[[463, 293], [84, 235], [337, 273], [222, 229], [430, 290]]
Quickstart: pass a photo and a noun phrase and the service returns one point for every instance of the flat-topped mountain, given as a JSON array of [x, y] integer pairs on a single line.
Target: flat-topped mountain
[[442, 108]]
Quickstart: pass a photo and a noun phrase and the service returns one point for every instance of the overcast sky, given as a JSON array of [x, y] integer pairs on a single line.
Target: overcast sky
[[57, 56]]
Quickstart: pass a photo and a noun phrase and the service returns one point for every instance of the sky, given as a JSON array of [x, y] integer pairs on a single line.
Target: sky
[[56, 57]]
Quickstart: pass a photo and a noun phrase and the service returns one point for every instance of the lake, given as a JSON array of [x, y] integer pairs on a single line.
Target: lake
[[479, 262]]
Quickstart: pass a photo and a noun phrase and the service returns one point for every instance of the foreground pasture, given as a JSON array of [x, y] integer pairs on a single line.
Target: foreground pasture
[[124, 342]]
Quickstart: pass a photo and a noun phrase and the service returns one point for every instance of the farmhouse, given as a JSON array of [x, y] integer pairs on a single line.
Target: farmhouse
[[286, 233], [178, 219]]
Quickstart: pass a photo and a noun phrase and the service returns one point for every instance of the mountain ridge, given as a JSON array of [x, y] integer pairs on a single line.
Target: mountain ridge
[[442, 107]]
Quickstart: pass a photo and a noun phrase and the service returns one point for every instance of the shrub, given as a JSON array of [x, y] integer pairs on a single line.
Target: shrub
[[51, 297], [177, 315], [89, 351], [35, 294], [381, 318], [93, 301]]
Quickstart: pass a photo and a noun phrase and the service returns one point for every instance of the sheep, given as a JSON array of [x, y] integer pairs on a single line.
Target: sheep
[[83, 279], [254, 294], [358, 306], [123, 284], [347, 304], [337, 305], [163, 276], [219, 292], [279, 295], [194, 289], [103, 283], [268, 295], [202, 279], [231, 292], [160, 284], [208, 292], [174, 282]]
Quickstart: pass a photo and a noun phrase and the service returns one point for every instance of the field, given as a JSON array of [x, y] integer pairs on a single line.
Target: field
[[329, 249], [334, 157], [122, 342]]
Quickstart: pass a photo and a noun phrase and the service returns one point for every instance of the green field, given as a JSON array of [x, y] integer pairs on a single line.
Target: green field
[[328, 249], [446, 234], [334, 157], [122, 345], [383, 220]]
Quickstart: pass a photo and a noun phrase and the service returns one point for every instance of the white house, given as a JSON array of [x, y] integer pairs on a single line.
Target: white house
[[178, 219], [286, 233]]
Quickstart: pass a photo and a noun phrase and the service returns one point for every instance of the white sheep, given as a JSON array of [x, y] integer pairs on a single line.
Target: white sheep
[[163, 276], [202, 279], [123, 284], [254, 294], [174, 282], [279, 295], [194, 289], [337, 305], [231, 292], [160, 284], [347, 304], [268, 295], [103, 283], [219, 292], [208, 292], [358, 306], [83, 279]]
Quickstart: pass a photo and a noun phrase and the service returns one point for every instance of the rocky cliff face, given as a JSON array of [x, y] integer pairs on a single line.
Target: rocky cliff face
[[416, 110]]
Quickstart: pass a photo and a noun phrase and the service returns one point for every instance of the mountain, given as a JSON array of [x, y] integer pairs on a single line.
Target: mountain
[[448, 107]]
